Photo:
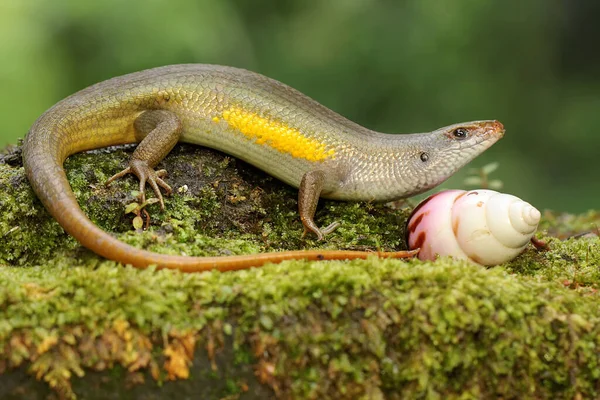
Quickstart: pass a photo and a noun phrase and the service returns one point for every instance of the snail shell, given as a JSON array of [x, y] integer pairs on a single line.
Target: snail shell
[[483, 226]]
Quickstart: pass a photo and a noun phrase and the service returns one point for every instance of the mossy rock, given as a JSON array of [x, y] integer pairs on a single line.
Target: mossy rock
[[73, 324]]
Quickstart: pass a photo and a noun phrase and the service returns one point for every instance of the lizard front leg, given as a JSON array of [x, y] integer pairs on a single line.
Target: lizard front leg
[[158, 132]]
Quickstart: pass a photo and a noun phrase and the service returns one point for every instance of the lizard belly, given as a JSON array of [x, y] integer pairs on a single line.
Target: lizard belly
[[263, 147]]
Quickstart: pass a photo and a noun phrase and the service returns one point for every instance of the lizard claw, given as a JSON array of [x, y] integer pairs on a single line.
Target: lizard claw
[[145, 173]]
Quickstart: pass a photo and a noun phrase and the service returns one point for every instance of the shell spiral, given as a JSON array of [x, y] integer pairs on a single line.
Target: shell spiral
[[483, 226]]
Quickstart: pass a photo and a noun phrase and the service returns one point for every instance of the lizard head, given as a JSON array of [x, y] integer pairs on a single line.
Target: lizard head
[[446, 150]]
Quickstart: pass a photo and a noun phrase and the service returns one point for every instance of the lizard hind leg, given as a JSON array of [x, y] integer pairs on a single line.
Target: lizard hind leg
[[308, 197], [158, 132]]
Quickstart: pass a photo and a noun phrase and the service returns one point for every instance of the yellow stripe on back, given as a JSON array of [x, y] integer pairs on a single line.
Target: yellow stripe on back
[[276, 134]]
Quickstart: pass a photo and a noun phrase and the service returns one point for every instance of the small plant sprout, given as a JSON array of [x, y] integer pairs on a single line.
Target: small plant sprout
[[139, 208], [480, 177]]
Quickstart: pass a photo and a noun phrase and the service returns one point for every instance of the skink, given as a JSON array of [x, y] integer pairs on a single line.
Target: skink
[[251, 117]]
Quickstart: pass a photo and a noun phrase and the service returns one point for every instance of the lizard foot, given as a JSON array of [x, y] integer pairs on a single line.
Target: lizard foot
[[320, 232], [145, 173]]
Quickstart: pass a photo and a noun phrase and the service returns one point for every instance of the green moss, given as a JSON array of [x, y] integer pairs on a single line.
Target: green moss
[[361, 329], [573, 262], [563, 225], [28, 233], [442, 327]]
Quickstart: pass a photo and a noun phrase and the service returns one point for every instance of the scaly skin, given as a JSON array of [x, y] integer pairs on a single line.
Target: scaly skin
[[249, 116]]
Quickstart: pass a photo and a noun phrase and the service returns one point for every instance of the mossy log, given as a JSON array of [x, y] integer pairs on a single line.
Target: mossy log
[[75, 325]]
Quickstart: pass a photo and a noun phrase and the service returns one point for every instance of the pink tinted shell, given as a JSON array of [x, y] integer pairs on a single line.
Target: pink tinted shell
[[483, 226], [430, 226]]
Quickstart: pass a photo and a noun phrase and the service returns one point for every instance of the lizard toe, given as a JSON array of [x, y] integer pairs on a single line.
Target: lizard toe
[[146, 175]]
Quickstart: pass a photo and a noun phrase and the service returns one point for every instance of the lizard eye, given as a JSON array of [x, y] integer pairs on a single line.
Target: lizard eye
[[424, 157], [460, 133]]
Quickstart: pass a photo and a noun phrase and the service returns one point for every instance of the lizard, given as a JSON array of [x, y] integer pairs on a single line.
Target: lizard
[[251, 117]]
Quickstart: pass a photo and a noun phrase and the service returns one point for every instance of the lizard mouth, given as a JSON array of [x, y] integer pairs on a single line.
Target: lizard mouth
[[495, 127], [489, 133]]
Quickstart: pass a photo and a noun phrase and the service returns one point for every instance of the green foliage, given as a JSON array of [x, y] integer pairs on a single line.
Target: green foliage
[[138, 209]]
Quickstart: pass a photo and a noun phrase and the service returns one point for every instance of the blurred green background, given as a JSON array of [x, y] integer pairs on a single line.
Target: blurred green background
[[391, 65]]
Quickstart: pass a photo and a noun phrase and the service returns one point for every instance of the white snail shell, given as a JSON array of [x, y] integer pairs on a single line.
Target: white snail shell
[[482, 226]]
